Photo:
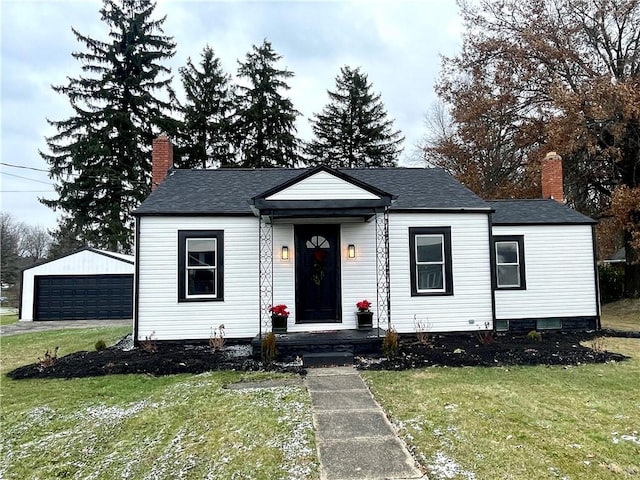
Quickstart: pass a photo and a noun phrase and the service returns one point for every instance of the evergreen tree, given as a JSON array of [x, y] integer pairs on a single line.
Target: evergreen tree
[[101, 156], [353, 129], [65, 238], [205, 136], [264, 125]]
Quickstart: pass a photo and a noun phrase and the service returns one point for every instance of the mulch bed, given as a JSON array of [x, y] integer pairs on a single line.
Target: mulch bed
[[167, 360], [442, 350], [501, 350]]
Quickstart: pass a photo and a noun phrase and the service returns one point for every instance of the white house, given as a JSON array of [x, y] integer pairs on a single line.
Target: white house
[[222, 246], [87, 284]]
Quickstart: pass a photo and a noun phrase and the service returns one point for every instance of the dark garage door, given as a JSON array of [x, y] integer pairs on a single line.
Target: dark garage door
[[79, 297]]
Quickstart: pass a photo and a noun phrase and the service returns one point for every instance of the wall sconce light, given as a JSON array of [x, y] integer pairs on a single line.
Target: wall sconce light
[[285, 252], [351, 251]]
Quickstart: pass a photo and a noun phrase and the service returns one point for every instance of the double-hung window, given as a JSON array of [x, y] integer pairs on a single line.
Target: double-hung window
[[509, 252], [200, 265], [430, 258]]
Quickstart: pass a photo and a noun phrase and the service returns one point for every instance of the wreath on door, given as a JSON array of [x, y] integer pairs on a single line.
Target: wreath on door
[[318, 258], [318, 267]]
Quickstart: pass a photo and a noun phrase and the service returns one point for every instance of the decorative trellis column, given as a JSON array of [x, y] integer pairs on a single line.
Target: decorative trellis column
[[265, 255], [383, 282]]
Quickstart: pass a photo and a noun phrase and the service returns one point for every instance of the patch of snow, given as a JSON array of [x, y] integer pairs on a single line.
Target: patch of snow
[[238, 351], [366, 361], [116, 413], [443, 466], [633, 437], [125, 344], [556, 473], [171, 464], [38, 414]]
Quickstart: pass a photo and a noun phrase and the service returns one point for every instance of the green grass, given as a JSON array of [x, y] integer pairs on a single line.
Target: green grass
[[139, 426], [520, 423], [8, 319]]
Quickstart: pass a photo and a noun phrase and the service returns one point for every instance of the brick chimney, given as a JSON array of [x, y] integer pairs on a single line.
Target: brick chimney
[[161, 159], [552, 182]]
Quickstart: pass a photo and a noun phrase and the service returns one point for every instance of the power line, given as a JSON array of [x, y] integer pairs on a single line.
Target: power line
[[23, 166], [26, 178], [27, 191]]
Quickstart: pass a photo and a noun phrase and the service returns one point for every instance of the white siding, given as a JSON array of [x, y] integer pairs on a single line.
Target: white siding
[[358, 274], [559, 269], [85, 262], [323, 186], [469, 308], [159, 311]]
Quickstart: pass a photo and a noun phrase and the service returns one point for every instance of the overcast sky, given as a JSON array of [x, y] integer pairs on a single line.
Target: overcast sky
[[397, 43]]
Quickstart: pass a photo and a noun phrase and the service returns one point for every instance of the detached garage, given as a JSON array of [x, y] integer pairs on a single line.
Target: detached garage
[[88, 284]]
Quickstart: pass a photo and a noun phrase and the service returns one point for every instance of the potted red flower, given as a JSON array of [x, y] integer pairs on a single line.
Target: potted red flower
[[279, 316], [364, 315]]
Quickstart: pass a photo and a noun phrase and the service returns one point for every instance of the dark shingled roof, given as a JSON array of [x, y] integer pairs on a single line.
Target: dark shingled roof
[[229, 191], [535, 212]]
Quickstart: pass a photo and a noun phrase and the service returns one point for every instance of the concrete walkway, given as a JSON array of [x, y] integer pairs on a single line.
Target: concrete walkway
[[31, 327], [353, 436]]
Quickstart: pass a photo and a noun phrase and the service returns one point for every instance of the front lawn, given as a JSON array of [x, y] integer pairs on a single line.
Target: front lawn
[[8, 319], [140, 426], [520, 422]]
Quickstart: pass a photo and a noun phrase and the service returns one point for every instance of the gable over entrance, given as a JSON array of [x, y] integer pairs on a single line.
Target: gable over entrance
[[321, 191], [323, 185]]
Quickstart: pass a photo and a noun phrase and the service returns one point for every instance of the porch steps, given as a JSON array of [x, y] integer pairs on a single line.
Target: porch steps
[[337, 347], [327, 359]]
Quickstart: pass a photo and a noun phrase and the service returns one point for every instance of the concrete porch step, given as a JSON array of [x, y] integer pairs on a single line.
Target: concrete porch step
[[327, 359], [296, 344]]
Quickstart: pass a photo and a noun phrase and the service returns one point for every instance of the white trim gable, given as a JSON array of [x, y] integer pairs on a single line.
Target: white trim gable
[[323, 186]]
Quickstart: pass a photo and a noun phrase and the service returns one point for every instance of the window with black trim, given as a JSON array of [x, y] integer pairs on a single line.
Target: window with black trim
[[430, 259], [200, 265], [509, 255]]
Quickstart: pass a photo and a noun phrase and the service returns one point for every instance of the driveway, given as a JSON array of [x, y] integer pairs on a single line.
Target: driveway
[[29, 327]]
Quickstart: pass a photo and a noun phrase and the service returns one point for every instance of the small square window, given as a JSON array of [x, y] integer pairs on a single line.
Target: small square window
[[549, 324], [502, 325]]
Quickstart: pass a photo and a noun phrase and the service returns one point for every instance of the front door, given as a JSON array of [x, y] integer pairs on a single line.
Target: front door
[[317, 273]]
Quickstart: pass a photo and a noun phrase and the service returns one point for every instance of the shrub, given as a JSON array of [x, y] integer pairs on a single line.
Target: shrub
[[599, 345], [390, 343], [611, 283], [100, 345], [48, 360], [422, 330], [486, 337], [216, 340], [534, 335], [149, 344], [269, 348]]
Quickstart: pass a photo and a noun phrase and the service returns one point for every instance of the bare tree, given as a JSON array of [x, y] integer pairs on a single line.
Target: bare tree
[[541, 75], [35, 243]]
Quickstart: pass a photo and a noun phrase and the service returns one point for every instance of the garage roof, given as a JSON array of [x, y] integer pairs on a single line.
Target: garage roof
[[116, 256]]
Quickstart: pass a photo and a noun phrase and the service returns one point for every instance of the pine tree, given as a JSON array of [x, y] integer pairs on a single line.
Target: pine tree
[[205, 136], [353, 129], [65, 238], [264, 125], [101, 156]]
